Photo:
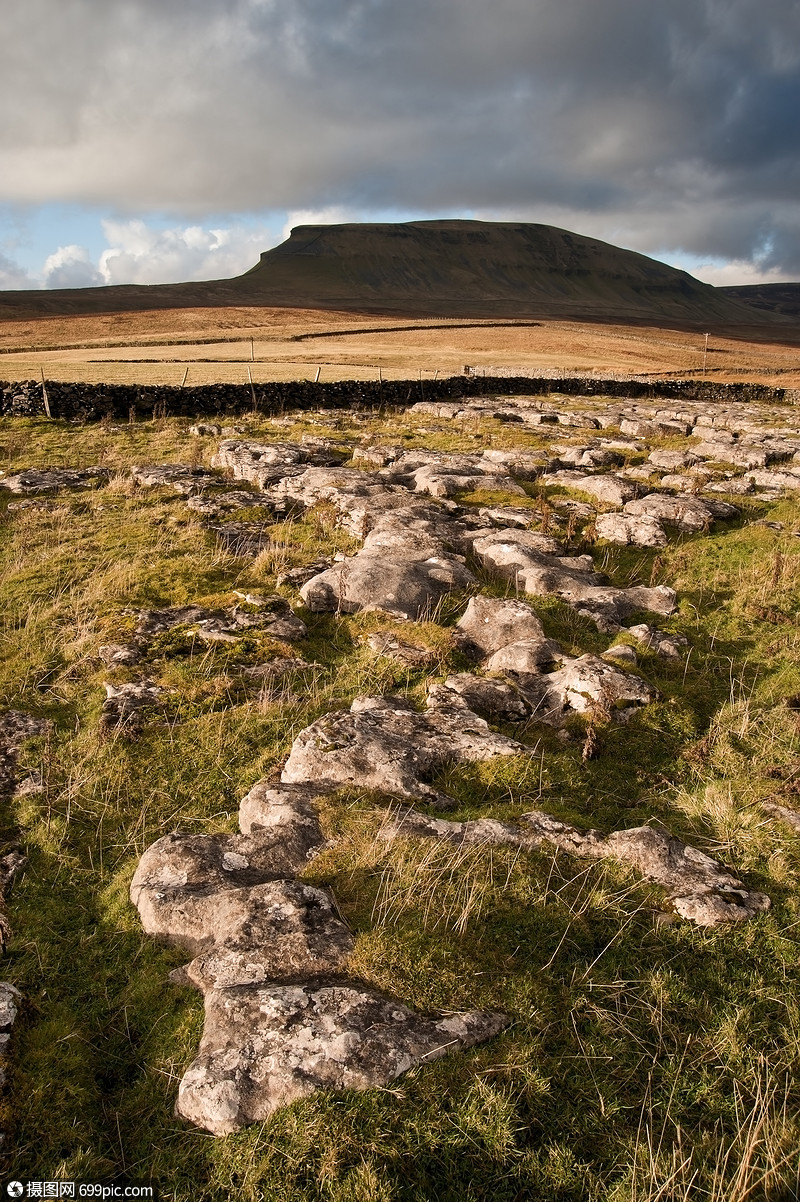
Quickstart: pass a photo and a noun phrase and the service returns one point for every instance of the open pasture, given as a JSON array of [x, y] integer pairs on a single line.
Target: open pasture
[[203, 346]]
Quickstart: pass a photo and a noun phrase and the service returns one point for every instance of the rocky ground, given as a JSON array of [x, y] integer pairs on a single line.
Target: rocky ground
[[504, 572]]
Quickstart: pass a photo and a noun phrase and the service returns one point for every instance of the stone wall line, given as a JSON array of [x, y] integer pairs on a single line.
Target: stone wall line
[[92, 402]]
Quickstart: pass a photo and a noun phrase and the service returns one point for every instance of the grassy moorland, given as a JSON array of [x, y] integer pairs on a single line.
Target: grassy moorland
[[205, 346], [646, 1061]]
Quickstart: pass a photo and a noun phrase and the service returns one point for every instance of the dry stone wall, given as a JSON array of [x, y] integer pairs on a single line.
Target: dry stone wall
[[90, 402]]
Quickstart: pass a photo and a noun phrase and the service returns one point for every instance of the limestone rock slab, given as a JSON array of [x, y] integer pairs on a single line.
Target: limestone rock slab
[[381, 743], [630, 530], [54, 479], [689, 514], [263, 1048], [399, 582], [490, 623]]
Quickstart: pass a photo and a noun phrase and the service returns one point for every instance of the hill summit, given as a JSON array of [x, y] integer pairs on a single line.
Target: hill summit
[[451, 268], [481, 269]]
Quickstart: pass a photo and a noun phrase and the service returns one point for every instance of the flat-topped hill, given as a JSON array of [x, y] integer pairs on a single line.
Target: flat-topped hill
[[434, 268], [481, 268]]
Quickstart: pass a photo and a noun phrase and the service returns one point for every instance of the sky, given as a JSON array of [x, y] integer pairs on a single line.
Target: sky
[[149, 141]]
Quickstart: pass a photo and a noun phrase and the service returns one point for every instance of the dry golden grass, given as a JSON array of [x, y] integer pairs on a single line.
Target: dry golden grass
[[216, 345]]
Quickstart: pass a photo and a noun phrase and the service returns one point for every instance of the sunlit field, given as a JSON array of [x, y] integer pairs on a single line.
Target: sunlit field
[[204, 346]]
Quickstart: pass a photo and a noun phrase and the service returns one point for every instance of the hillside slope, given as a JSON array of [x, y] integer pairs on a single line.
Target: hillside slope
[[480, 268], [772, 298], [434, 268]]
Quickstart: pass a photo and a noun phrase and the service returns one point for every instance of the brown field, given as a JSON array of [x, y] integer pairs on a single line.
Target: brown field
[[215, 345]]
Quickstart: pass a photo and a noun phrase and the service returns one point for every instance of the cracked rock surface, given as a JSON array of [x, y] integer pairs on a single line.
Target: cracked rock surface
[[382, 743], [264, 1048], [54, 479], [269, 953]]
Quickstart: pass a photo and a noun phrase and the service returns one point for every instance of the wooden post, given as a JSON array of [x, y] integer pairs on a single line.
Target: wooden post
[[252, 352], [705, 354], [185, 374], [44, 395], [252, 389], [316, 377]]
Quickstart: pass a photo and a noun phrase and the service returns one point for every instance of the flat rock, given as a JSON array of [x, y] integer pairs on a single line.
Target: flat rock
[[513, 556], [609, 489], [55, 479], [266, 463], [287, 813], [670, 461], [217, 503], [775, 481], [274, 617], [182, 477], [525, 656], [277, 931], [398, 582], [689, 514], [489, 623], [590, 456], [377, 456], [630, 530], [263, 1048], [739, 456], [588, 684], [381, 743], [510, 516], [701, 890], [484, 695]]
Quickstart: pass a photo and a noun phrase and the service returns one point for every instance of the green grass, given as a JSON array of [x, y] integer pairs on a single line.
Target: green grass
[[645, 1060]]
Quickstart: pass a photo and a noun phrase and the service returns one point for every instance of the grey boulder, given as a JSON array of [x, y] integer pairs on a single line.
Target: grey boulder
[[263, 1048], [397, 581], [630, 530], [381, 743]]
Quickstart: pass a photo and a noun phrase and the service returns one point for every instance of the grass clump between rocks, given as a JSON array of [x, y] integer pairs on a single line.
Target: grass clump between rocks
[[646, 1060]]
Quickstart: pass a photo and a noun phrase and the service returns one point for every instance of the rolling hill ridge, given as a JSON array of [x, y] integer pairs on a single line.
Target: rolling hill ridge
[[448, 268]]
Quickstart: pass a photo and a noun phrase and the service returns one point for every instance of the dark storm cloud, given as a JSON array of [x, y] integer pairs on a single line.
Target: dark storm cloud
[[672, 122]]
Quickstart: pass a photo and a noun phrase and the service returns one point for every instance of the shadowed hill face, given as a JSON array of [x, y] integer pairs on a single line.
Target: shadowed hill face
[[480, 268], [772, 298], [434, 269]]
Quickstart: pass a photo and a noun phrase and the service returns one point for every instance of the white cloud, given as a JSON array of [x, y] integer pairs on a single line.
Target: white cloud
[[70, 267], [737, 272], [139, 254], [12, 276]]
